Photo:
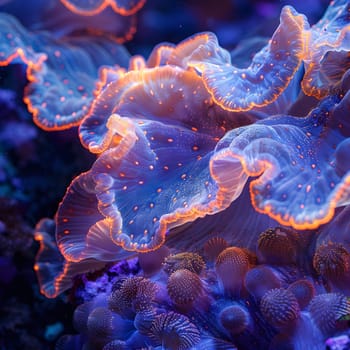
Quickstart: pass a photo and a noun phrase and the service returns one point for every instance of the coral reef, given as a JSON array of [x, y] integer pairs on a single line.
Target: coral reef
[[210, 178]]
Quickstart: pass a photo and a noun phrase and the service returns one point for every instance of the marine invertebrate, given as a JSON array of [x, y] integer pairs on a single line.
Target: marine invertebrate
[[304, 291], [327, 53], [174, 331], [280, 308], [327, 310], [184, 287], [151, 262], [231, 266], [38, 15], [235, 319], [332, 261], [125, 8], [50, 70], [213, 247], [178, 154], [132, 138], [336, 231], [116, 345], [261, 279], [126, 202], [272, 157], [144, 319], [274, 66], [104, 326], [190, 261], [133, 295], [277, 246]]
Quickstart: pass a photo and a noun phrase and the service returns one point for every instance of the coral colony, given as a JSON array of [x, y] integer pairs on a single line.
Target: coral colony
[[216, 214]]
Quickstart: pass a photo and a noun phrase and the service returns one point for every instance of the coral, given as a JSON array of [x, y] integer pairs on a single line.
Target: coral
[[144, 319], [304, 291], [69, 20], [231, 266], [327, 310], [235, 319], [189, 261], [174, 331], [273, 66], [125, 8], [135, 293], [261, 279], [277, 246], [184, 287], [331, 261], [214, 247], [280, 307], [115, 345], [151, 262], [214, 213]]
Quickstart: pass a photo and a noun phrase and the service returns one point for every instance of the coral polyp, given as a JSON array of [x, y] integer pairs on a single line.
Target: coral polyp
[[184, 287], [280, 307], [174, 331]]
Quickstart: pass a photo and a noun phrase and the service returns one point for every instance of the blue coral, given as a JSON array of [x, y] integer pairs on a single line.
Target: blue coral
[[215, 214]]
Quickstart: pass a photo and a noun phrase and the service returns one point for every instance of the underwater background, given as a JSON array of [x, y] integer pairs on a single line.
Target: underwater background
[[88, 260]]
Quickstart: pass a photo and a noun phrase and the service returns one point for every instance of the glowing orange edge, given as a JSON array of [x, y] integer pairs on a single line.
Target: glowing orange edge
[[222, 103], [306, 82], [57, 285], [102, 7], [34, 68], [154, 60], [186, 47], [278, 217], [221, 202], [127, 78]]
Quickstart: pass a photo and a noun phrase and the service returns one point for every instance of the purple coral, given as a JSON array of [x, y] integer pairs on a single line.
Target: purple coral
[[183, 139]]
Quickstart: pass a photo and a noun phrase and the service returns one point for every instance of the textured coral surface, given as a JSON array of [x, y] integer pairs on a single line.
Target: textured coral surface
[[184, 181]]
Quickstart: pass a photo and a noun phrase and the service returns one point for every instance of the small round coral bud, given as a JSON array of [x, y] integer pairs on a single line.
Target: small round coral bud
[[231, 266], [235, 319], [304, 291], [184, 287], [261, 279], [331, 261], [280, 308], [328, 309], [277, 246]]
